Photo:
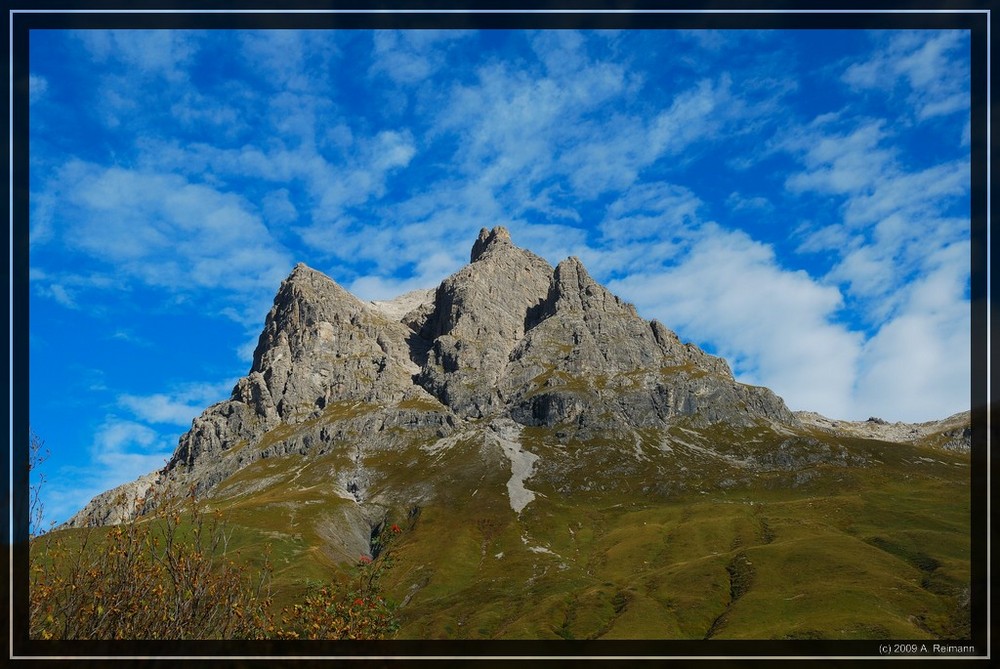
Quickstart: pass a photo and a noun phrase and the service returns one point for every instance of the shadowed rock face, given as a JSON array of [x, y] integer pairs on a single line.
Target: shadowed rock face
[[591, 359], [507, 337], [480, 314]]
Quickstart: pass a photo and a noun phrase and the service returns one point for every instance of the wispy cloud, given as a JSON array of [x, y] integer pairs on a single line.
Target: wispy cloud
[[411, 56], [892, 219], [122, 451], [739, 202], [166, 231], [157, 53], [127, 335], [930, 68], [137, 67], [775, 326], [128, 445], [179, 407], [921, 355], [838, 162], [37, 86]]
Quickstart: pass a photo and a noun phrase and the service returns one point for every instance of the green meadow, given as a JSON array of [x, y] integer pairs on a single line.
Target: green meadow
[[671, 536]]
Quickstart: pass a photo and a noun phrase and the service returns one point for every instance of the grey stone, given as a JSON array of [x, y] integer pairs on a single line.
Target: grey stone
[[507, 338]]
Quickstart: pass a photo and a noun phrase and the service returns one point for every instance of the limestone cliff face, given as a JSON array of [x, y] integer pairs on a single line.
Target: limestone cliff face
[[591, 359], [479, 315], [507, 341], [320, 344]]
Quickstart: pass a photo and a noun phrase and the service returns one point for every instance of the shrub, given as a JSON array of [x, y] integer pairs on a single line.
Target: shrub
[[164, 577], [358, 612], [169, 575]]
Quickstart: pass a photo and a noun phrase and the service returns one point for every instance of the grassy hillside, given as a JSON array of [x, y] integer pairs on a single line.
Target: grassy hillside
[[677, 534]]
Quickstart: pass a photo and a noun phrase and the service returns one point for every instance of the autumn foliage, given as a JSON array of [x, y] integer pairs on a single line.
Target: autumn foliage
[[146, 580], [170, 575], [358, 613]]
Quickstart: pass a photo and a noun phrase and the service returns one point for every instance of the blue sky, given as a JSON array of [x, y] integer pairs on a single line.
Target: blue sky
[[795, 201]]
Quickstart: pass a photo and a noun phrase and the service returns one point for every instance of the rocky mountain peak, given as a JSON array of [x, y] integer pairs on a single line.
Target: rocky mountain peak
[[574, 289], [505, 338], [479, 314], [304, 299], [490, 240]]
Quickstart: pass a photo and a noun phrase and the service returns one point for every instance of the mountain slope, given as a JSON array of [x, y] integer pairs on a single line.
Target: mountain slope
[[564, 468]]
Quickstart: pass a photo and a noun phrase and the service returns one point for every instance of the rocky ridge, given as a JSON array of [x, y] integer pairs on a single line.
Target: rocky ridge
[[952, 433], [506, 345]]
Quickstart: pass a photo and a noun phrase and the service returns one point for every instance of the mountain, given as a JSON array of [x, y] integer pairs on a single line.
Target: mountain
[[565, 468]]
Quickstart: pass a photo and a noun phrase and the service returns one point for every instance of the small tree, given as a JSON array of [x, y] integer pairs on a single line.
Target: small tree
[[36, 456], [360, 612]]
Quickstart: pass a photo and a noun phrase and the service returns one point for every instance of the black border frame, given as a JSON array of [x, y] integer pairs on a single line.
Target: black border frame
[[25, 16]]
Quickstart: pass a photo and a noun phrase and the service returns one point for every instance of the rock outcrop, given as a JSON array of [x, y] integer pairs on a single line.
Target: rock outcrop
[[506, 340], [480, 313], [320, 344], [953, 433], [591, 359]]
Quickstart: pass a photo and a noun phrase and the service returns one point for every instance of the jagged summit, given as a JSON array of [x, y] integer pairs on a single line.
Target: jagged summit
[[490, 240], [506, 338], [573, 288], [506, 335], [480, 313]]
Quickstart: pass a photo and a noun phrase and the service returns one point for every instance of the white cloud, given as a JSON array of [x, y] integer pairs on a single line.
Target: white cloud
[[426, 236], [707, 40], [166, 231], [37, 87], [245, 351], [115, 434], [334, 179], [894, 191], [390, 149], [563, 52], [928, 63], [278, 207], [693, 115], [277, 57], [816, 239], [411, 56], [775, 326], [382, 288], [203, 112], [577, 122], [867, 270], [60, 294], [739, 202], [142, 73], [515, 128], [178, 407], [129, 336], [651, 210], [122, 451], [917, 366], [160, 408], [892, 220], [163, 53], [836, 162], [42, 207]]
